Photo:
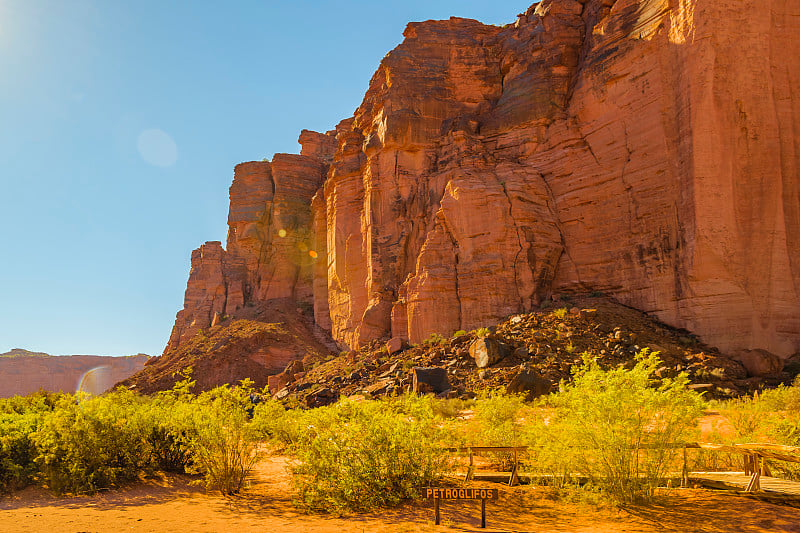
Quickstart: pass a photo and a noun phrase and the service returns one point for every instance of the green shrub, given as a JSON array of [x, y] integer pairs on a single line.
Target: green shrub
[[499, 423], [19, 417], [17, 452], [86, 444], [482, 332], [367, 455], [434, 339], [560, 313], [273, 423], [498, 417], [781, 398], [617, 427], [168, 431], [224, 443]]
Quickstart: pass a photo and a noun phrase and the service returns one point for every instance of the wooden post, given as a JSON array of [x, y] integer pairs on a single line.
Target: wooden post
[[436, 512], [471, 469], [513, 479], [684, 471], [755, 480], [483, 513]]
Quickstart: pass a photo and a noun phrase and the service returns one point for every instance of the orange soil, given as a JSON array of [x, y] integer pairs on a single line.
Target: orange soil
[[175, 506]]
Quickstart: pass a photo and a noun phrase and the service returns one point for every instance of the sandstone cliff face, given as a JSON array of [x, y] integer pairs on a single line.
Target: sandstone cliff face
[[23, 373], [269, 254], [648, 149]]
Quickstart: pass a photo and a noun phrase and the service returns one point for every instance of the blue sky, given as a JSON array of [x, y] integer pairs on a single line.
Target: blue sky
[[120, 125]]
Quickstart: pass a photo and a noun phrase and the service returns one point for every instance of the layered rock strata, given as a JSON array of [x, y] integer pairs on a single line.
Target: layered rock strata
[[648, 149], [269, 253]]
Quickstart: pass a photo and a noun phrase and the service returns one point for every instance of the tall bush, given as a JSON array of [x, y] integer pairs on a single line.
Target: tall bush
[[367, 455], [619, 427], [224, 445], [86, 444], [17, 452]]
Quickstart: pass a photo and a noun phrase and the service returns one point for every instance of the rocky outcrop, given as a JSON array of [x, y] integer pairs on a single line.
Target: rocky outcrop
[[270, 250], [265, 339], [23, 372], [643, 148]]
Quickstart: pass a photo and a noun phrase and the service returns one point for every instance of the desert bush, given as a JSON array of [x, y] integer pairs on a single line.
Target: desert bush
[[168, 430], [434, 339], [273, 423], [617, 427], [781, 398], [224, 444], [19, 417], [481, 332], [367, 455], [85, 444], [17, 452], [769, 416], [498, 422], [498, 417]]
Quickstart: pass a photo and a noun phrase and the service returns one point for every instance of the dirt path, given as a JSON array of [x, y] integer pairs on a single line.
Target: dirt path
[[175, 506]]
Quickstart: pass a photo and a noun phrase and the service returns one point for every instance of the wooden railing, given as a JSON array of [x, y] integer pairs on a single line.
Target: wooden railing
[[754, 456], [480, 450]]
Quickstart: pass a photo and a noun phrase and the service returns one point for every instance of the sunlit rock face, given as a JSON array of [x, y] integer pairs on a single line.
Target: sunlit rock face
[[648, 149], [269, 253], [23, 372]]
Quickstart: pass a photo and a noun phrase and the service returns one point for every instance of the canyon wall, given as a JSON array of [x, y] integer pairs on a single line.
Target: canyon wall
[[647, 149], [23, 372]]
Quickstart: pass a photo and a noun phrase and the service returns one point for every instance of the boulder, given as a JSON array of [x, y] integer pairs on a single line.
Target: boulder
[[761, 363], [529, 382], [294, 370], [379, 388], [295, 367], [486, 351], [394, 345], [791, 365], [320, 398], [429, 379], [279, 381]]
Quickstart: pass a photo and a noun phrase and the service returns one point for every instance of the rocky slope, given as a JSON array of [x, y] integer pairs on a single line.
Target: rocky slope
[[23, 372], [527, 353], [647, 149], [259, 343]]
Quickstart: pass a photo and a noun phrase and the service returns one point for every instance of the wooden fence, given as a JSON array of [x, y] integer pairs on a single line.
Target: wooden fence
[[754, 456]]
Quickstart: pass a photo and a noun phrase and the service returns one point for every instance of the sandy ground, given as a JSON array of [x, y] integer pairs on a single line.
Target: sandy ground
[[173, 505]]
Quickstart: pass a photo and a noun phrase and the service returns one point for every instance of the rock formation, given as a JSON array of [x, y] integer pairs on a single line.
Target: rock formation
[[648, 149], [23, 372]]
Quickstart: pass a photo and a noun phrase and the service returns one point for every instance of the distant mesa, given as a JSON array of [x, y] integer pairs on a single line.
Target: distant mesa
[[19, 352], [24, 372]]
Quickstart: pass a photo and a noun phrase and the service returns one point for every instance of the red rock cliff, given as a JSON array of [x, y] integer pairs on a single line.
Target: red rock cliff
[[648, 149], [23, 372]]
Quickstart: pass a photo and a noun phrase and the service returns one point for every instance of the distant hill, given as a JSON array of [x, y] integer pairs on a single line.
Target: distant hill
[[24, 372], [19, 352]]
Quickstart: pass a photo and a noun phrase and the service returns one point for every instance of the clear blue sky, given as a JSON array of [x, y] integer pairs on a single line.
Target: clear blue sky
[[120, 125]]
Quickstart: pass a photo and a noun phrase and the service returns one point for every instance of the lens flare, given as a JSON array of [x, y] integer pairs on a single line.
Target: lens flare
[[96, 380], [281, 233], [157, 148], [313, 254]]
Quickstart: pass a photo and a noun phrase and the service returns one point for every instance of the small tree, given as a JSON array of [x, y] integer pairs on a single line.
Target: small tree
[[622, 426], [224, 445], [367, 455]]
